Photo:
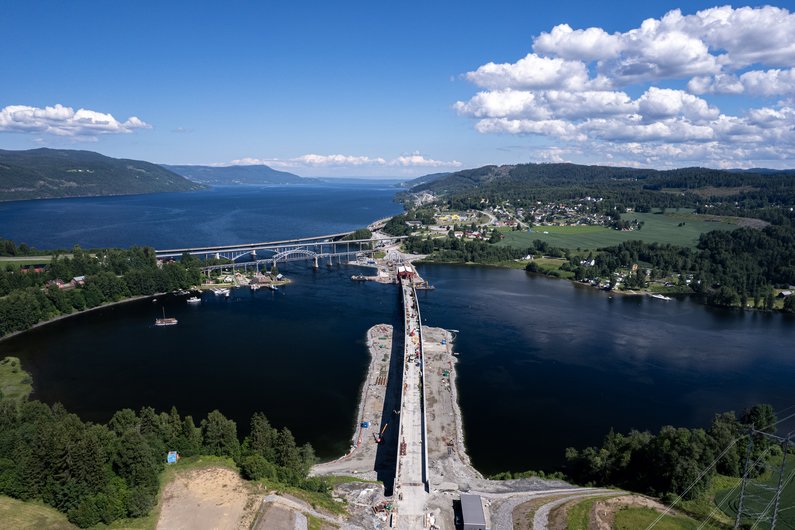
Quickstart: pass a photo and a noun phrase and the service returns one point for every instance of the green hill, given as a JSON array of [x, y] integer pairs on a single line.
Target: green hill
[[52, 173]]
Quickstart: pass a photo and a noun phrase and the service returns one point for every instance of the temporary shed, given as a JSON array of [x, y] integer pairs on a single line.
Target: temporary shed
[[472, 511]]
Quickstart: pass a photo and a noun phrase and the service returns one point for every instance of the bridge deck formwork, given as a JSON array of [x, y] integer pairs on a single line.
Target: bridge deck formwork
[[411, 479]]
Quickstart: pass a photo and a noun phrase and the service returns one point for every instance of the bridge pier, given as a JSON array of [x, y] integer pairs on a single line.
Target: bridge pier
[[315, 264]]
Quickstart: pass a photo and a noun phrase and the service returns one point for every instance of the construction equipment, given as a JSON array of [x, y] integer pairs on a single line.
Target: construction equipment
[[380, 436]]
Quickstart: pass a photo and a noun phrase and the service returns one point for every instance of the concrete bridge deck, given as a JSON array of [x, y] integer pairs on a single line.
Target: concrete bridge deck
[[411, 479]]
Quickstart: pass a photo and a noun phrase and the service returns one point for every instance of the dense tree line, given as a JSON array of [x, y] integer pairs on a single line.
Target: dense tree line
[[396, 226], [729, 268], [9, 248], [110, 275], [666, 464], [451, 249], [99, 473], [359, 233]]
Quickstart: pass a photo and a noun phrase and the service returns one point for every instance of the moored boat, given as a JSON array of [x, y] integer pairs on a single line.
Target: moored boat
[[165, 321], [194, 300]]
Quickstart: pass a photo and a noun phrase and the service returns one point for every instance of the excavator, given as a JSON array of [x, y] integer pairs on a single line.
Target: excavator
[[380, 436]]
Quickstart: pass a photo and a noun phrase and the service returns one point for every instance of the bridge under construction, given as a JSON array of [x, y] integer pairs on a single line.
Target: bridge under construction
[[411, 476]]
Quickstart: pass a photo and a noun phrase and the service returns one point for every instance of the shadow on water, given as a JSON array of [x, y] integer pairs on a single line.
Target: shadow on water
[[386, 455]]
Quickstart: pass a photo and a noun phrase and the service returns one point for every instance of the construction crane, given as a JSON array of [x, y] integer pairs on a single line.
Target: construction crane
[[380, 436]]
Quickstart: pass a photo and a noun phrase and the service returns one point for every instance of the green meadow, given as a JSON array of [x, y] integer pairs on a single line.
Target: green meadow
[[677, 227]]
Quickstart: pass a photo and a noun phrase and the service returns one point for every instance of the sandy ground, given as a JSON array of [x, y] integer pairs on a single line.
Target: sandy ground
[[603, 514], [213, 499]]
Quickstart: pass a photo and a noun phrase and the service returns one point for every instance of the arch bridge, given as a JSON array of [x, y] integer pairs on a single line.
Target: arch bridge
[[327, 247]]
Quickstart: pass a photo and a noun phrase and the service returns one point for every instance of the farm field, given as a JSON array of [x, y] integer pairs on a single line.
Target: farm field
[[659, 228]]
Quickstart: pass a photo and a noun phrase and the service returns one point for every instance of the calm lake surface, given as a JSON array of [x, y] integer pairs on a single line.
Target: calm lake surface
[[218, 215], [544, 364]]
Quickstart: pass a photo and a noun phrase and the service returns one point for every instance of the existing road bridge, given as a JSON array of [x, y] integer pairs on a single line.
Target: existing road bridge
[[326, 247]]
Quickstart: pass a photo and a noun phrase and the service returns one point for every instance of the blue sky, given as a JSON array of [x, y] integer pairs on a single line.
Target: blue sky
[[368, 89]]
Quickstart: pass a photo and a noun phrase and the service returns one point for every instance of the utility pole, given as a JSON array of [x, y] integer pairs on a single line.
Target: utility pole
[[745, 477], [785, 449]]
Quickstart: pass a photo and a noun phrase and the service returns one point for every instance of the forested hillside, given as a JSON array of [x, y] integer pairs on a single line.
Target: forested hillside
[[706, 190], [51, 173]]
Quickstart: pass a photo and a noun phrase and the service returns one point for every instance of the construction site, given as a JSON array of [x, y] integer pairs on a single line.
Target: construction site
[[408, 445]]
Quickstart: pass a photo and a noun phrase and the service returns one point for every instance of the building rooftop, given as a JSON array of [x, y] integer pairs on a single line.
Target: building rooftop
[[472, 509]]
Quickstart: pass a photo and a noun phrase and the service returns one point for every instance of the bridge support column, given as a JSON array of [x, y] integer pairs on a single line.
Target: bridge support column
[[315, 264]]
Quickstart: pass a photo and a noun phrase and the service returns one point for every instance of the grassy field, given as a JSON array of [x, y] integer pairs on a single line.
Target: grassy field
[[24, 260], [704, 507], [677, 227], [759, 493], [580, 513], [31, 516], [15, 383], [634, 518]]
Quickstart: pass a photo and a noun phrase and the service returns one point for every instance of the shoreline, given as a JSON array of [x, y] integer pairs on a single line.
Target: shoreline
[[459, 419], [83, 312]]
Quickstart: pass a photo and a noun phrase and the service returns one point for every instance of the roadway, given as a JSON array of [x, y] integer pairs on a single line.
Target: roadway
[[240, 249], [412, 476], [248, 246]]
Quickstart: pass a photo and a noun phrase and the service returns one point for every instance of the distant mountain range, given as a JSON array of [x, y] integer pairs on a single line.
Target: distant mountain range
[[259, 174], [52, 173]]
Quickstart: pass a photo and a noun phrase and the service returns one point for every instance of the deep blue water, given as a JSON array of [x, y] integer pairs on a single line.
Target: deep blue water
[[544, 364], [298, 354], [219, 215], [547, 364]]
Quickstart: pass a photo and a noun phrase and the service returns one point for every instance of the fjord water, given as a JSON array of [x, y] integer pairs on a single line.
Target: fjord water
[[218, 215], [544, 364], [547, 364], [297, 354]]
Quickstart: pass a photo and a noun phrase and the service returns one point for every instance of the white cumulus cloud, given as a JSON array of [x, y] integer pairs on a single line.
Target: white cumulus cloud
[[574, 88], [342, 161], [418, 160], [532, 72], [773, 82], [64, 121], [588, 44]]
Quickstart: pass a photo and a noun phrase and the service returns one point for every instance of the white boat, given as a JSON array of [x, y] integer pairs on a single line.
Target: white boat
[[661, 297], [273, 287], [194, 300], [221, 292]]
